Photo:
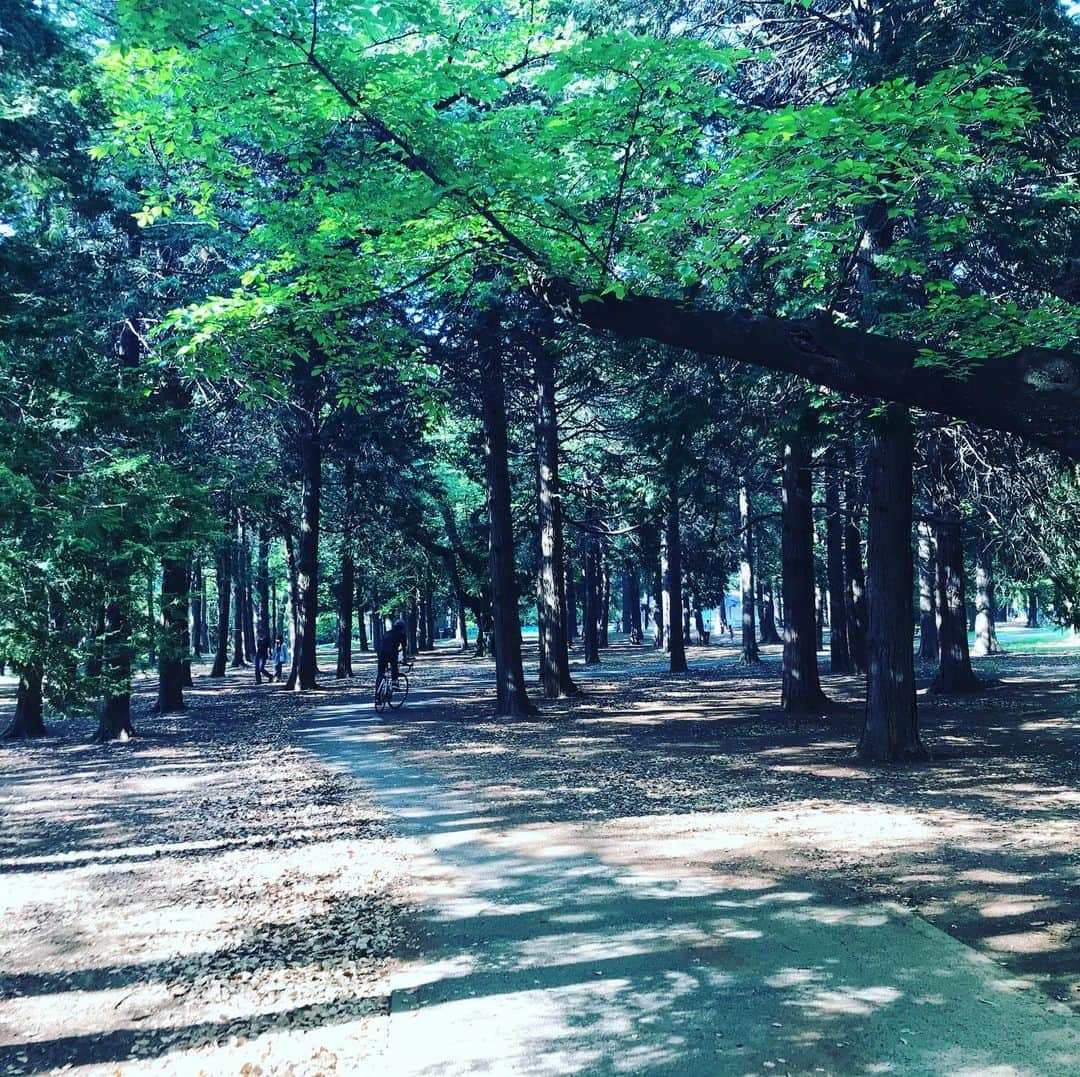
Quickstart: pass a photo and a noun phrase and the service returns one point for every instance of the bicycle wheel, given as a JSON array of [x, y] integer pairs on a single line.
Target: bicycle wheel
[[400, 694], [383, 694]]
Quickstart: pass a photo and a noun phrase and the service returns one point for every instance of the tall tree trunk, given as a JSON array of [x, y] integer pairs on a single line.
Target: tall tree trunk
[[345, 591], [801, 689], [570, 589], [954, 675], [197, 607], [411, 620], [29, 718], [302, 677], [891, 723], [1032, 608], [361, 615], [551, 587], [171, 648], [511, 696], [839, 654], [986, 641], [249, 598], [605, 598], [238, 596], [855, 595], [668, 614], [929, 649], [262, 586], [223, 570], [746, 578], [674, 589], [118, 654], [590, 620], [766, 614]]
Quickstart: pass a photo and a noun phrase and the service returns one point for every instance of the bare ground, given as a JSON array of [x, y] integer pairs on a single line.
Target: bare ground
[[211, 897], [203, 898]]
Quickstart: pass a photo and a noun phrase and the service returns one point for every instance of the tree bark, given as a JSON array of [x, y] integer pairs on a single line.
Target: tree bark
[[855, 594], [262, 586], [929, 649], [1032, 608], [986, 641], [1034, 392], [746, 578], [891, 722], [605, 599], [118, 654], [223, 570], [345, 592], [590, 619], [302, 676], [839, 654], [29, 720], [171, 648], [511, 696], [674, 591], [955, 675], [554, 645], [766, 613], [197, 608], [249, 596], [238, 599], [801, 692]]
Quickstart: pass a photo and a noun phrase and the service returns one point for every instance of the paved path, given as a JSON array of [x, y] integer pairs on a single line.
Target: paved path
[[540, 953]]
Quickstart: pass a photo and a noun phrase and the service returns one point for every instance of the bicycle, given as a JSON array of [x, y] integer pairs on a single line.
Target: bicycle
[[391, 696]]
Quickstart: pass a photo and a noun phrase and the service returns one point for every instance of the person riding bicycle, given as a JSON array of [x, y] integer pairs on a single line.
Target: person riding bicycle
[[387, 652]]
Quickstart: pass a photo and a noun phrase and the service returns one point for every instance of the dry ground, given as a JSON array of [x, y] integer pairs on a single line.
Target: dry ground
[[203, 898], [210, 896]]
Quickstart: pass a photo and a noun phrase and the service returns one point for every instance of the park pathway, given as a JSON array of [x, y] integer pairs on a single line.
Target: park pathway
[[540, 951]]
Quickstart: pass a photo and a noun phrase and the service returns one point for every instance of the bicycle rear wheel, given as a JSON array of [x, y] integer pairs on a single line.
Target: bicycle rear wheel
[[400, 694]]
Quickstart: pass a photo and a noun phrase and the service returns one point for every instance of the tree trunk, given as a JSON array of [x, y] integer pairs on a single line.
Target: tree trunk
[[249, 598], [511, 696], [666, 611], [197, 607], [263, 628], [891, 723], [839, 654], [929, 649], [570, 585], [345, 592], [1032, 608], [855, 595], [118, 654], [238, 596], [766, 614], [590, 620], [411, 620], [551, 587], [223, 569], [746, 579], [674, 589], [986, 641], [29, 718], [171, 649], [302, 676], [605, 599], [955, 675], [801, 692]]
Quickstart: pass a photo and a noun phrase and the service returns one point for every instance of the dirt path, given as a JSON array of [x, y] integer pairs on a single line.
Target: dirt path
[[599, 882], [204, 898]]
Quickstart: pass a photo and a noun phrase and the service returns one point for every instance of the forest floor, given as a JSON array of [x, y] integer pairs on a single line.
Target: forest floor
[[212, 895], [204, 898]]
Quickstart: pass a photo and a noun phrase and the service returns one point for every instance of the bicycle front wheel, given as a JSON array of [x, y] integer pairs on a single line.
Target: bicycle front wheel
[[400, 693]]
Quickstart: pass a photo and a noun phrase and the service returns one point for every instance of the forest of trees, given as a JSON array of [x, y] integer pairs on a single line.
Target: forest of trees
[[315, 313]]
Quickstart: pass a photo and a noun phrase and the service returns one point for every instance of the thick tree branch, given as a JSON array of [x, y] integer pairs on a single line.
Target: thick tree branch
[[1034, 392]]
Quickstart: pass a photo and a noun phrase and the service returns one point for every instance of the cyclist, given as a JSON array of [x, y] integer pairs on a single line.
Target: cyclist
[[387, 652]]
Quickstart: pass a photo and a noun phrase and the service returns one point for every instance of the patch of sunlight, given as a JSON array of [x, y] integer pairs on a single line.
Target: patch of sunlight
[[858, 1001], [833, 915], [1013, 906], [1026, 942], [793, 977], [880, 1067], [992, 877]]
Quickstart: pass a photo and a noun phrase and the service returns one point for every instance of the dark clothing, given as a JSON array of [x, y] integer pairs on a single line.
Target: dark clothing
[[387, 653], [262, 654]]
